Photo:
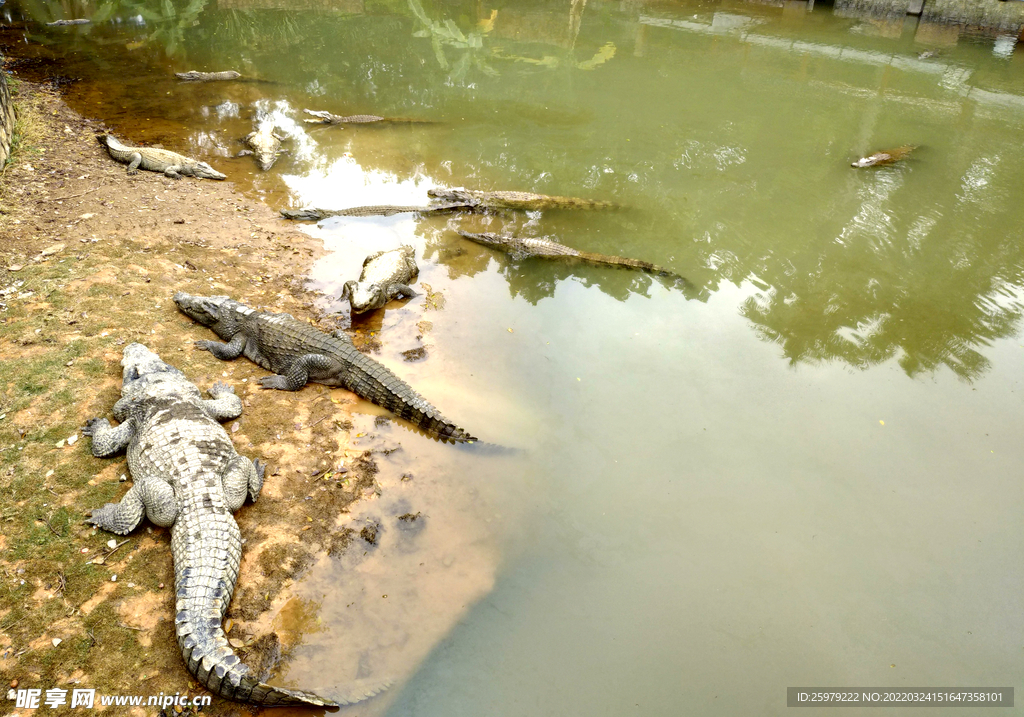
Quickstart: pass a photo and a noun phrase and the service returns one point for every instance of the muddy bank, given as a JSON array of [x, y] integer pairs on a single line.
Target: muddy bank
[[89, 258]]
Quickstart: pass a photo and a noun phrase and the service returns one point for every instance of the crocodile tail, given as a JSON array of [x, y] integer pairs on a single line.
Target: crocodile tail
[[207, 551], [209, 657], [377, 384], [623, 261], [414, 408]]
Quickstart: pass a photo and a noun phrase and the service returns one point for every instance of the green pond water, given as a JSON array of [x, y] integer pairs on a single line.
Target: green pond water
[[802, 469]]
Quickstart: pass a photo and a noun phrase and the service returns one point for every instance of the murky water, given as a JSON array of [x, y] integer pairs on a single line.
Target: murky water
[[803, 469]]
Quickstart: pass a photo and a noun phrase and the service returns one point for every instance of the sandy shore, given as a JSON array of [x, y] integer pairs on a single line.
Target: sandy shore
[[89, 259]]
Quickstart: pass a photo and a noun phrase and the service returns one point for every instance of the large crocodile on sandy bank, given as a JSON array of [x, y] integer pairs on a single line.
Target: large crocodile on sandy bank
[[186, 475], [385, 276], [171, 164], [526, 201], [521, 248], [298, 353]]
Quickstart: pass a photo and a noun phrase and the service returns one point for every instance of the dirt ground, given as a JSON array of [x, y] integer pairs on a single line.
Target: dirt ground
[[89, 259]]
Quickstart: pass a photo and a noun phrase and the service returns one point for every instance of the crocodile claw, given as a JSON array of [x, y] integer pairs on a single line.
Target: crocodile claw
[[93, 425], [278, 382], [220, 388]]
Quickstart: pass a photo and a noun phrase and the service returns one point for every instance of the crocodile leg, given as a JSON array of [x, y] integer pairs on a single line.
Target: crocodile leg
[[121, 518], [133, 165], [224, 405], [242, 477], [225, 352], [173, 171], [302, 368], [403, 289], [347, 290], [106, 440], [158, 497]]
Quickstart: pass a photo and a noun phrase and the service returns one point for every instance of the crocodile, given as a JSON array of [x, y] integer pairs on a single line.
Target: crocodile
[[385, 276], [521, 248], [296, 352], [76, 21], [172, 164], [328, 118], [187, 475], [264, 143], [887, 156], [196, 76], [515, 200], [374, 210]]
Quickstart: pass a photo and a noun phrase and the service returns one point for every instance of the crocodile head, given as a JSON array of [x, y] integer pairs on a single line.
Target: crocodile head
[[220, 313], [140, 363], [450, 195], [364, 297], [204, 171], [145, 376]]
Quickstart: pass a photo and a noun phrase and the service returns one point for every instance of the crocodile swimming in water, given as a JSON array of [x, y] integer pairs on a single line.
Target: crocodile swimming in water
[[884, 157], [171, 164], [385, 276], [298, 353], [264, 142], [187, 475], [374, 210], [521, 248], [455, 200], [527, 201], [195, 76], [328, 118]]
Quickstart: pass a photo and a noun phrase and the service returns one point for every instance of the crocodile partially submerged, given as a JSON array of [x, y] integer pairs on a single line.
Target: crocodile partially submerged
[[76, 21], [385, 276], [374, 210], [187, 475], [527, 201], [264, 142], [171, 164], [196, 76], [524, 247], [884, 157], [297, 353], [328, 118]]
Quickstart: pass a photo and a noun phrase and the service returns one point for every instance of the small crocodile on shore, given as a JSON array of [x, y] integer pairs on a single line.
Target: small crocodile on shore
[[298, 353], [328, 118], [171, 164], [515, 200], [196, 76], [187, 475], [521, 248], [264, 143], [884, 157], [373, 210], [385, 276]]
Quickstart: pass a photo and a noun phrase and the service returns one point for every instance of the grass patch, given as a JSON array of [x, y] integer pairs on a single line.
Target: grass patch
[[29, 129]]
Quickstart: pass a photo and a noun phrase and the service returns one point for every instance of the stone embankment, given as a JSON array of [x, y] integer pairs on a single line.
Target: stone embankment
[[991, 15]]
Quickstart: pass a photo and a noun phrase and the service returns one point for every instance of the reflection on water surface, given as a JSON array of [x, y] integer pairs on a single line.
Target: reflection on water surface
[[804, 469]]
